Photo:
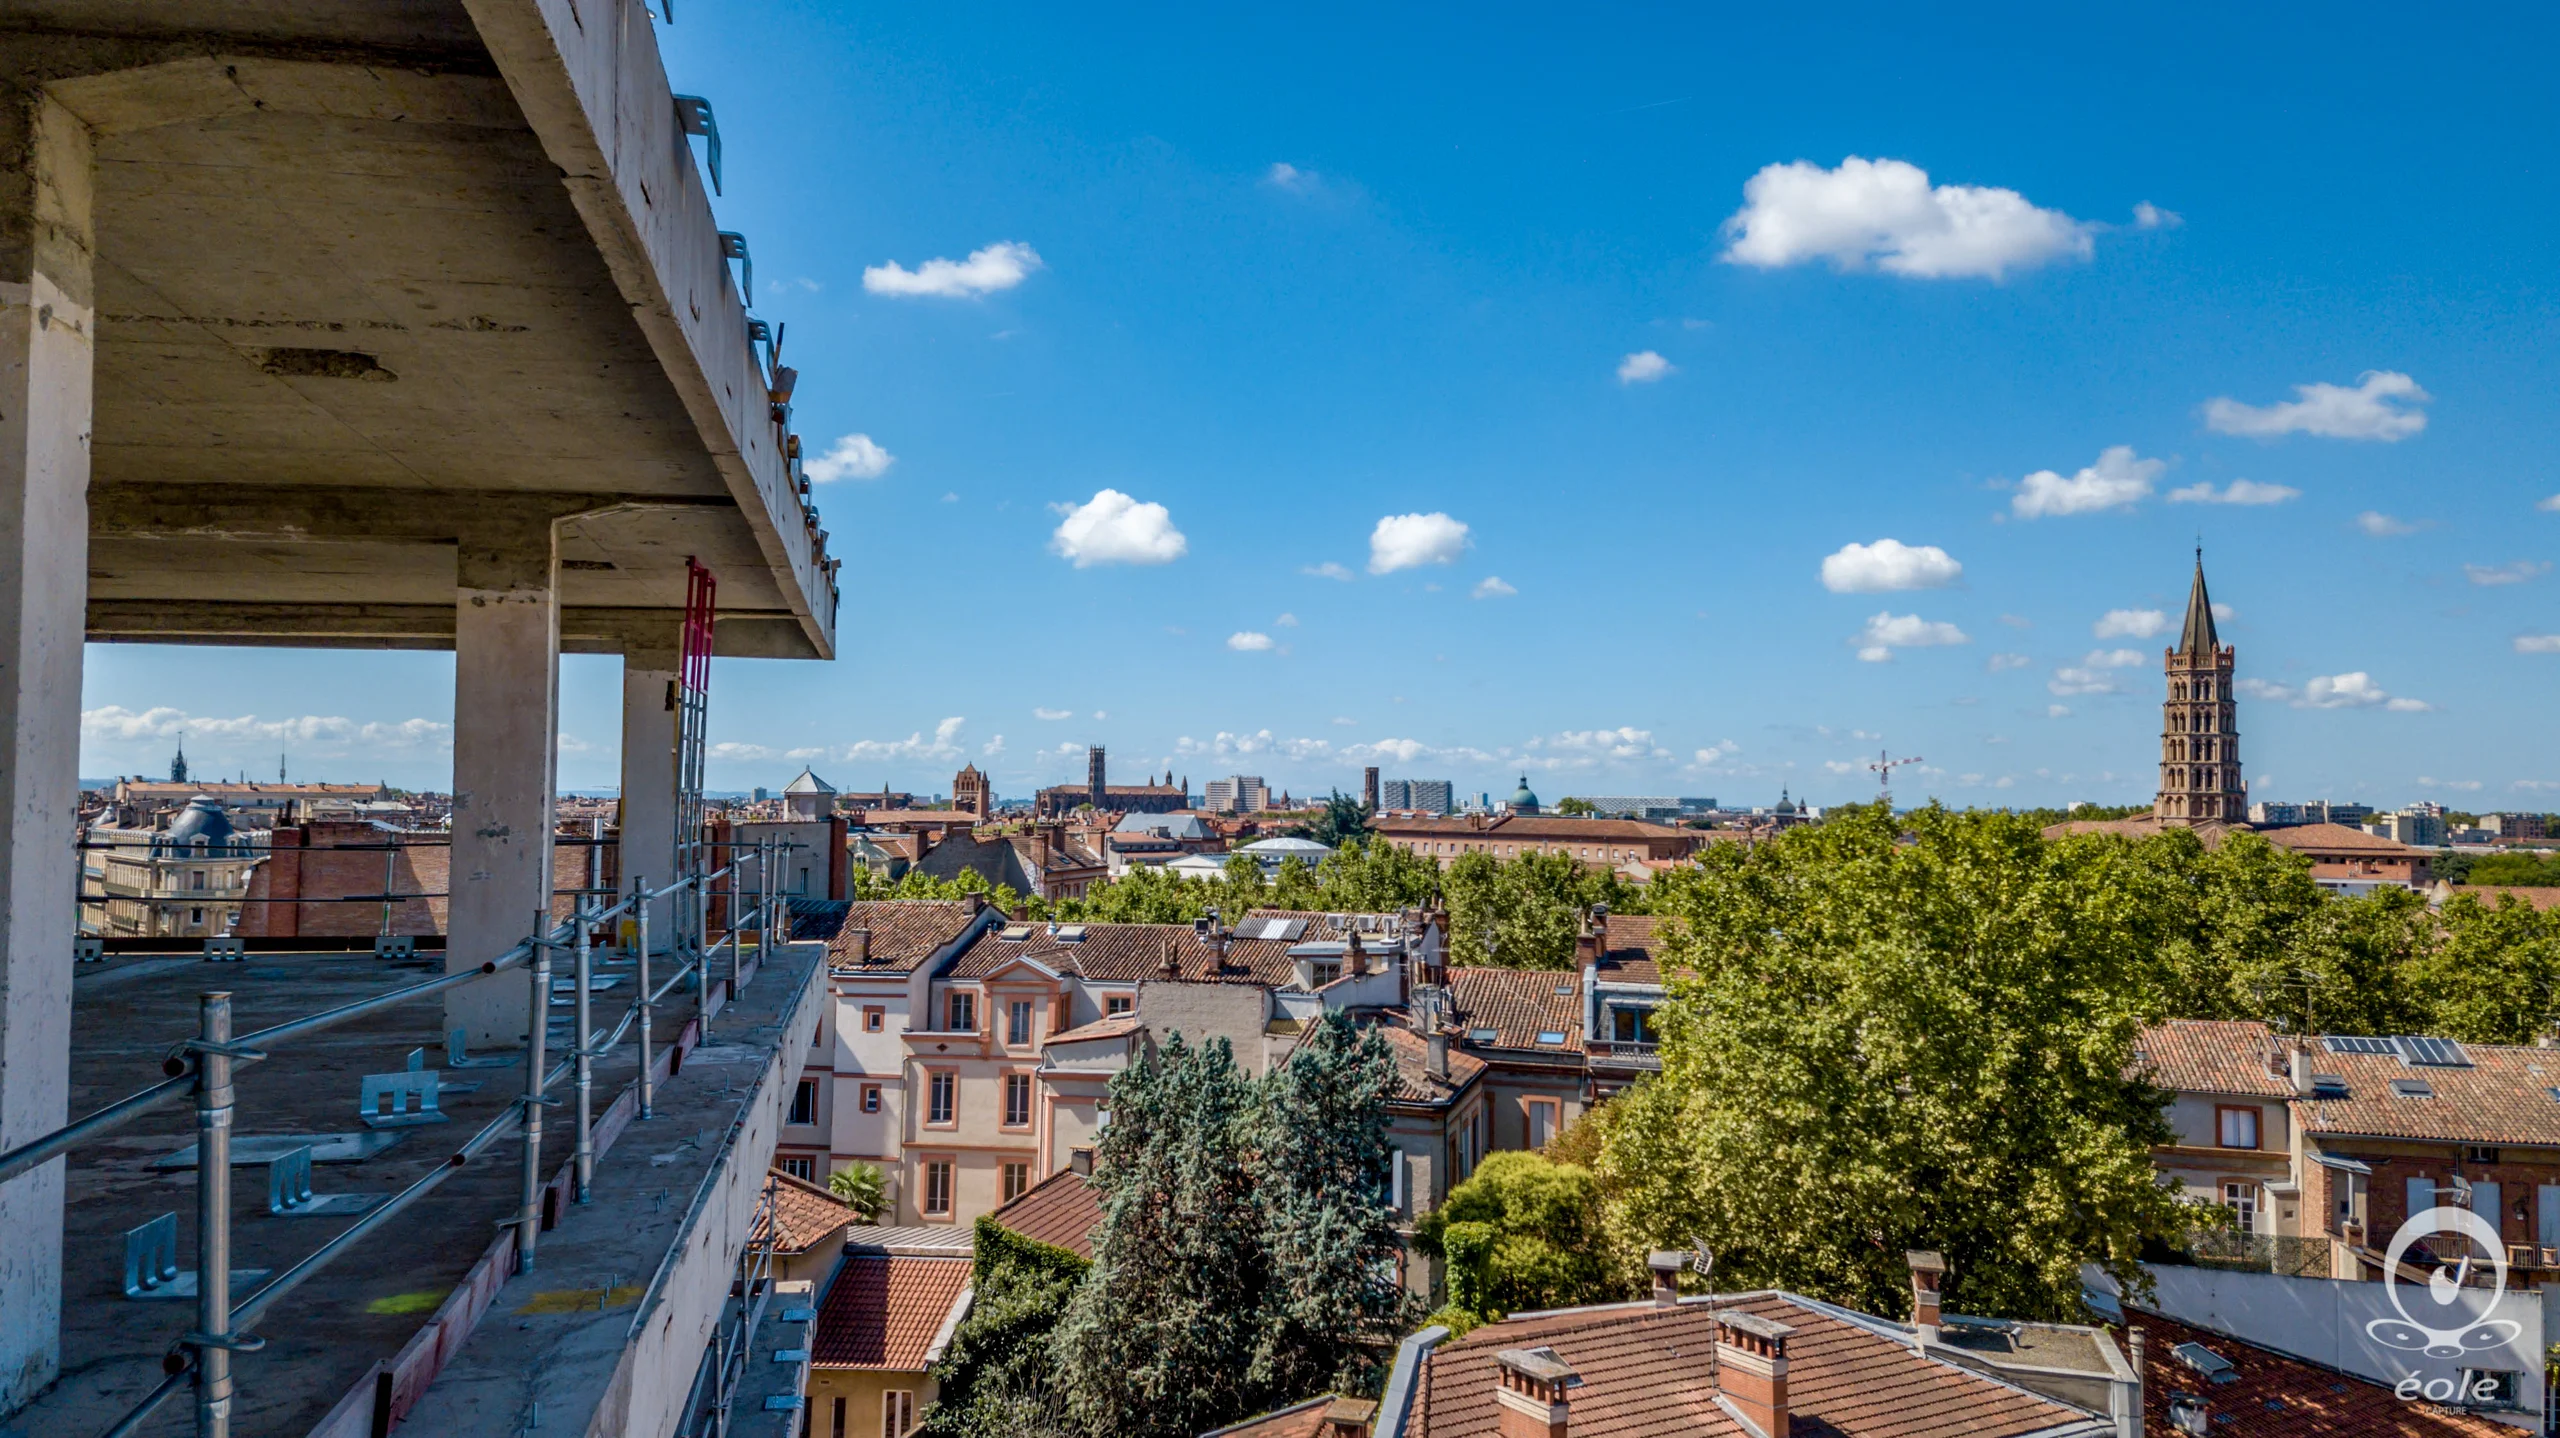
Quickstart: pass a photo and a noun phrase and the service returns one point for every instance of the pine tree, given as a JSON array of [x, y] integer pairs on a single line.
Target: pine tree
[[1161, 1337], [1322, 1171]]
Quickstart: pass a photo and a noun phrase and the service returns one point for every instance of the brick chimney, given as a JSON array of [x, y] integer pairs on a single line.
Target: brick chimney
[[1530, 1392], [857, 945], [1666, 1265], [1435, 1052], [1928, 1276], [2298, 1067], [1751, 1365], [1348, 1418]]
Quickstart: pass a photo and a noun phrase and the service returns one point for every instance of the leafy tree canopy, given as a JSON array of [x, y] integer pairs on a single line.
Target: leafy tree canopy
[[995, 1379], [1525, 1232]]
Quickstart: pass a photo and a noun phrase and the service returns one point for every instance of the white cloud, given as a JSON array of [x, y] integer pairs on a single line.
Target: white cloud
[[2331, 411], [2262, 689], [999, 266], [2238, 491], [1404, 541], [1492, 587], [1246, 641], [1717, 752], [1112, 528], [854, 457], [2082, 680], [2224, 612], [2112, 658], [2548, 506], [2516, 573], [2383, 526], [2466, 785], [2057, 711], [2118, 479], [1284, 176], [2148, 216], [943, 745], [1345, 720], [1888, 564], [1327, 570], [2017, 621], [1643, 367], [1886, 213], [2002, 662], [1840, 766], [1885, 632], [2354, 690], [322, 734], [2129, 624], [1286, 621], [1624, 742], [993, 748], [2538, 644], [1053, 715]]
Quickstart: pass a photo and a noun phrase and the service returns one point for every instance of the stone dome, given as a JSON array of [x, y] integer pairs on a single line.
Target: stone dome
[[203, 826]]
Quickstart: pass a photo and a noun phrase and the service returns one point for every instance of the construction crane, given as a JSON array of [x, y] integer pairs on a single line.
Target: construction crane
[[1884, 766]]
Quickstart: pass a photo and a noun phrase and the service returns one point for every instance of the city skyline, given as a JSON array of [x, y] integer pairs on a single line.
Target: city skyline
[[1536, 407]]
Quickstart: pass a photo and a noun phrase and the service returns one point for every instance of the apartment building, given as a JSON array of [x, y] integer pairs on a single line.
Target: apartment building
[[2352, 861], [1424, 796], [1610, 842], [2336, 1141], [1237, 794]]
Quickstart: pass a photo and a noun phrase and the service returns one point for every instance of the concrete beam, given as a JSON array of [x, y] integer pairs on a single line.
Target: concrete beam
[[48, 329], [583, 629], [305, 514], [506, 705], [649, 774]]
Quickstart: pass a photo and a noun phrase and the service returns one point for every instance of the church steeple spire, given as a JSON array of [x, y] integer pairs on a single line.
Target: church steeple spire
[[2198, 636]]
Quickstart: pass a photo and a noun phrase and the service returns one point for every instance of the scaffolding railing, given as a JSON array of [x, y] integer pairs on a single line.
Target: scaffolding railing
[[203, 1066]]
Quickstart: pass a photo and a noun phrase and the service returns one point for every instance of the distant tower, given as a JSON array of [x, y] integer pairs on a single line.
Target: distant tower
[[1369, 788], [178, 766], [2199, 728], [971, 793], [280, 766], [1093, 772]]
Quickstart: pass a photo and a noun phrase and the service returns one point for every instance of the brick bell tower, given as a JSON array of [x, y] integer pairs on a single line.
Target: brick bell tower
[[2199, 730]]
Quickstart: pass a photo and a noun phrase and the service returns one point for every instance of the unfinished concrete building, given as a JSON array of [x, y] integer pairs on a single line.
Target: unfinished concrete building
[[371, 323]]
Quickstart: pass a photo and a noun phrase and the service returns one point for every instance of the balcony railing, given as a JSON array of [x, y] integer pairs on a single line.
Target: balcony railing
[[202, 1067], [1641, 1053]]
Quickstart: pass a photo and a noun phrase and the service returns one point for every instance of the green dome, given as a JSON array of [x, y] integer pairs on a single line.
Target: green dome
[[1522, 799]]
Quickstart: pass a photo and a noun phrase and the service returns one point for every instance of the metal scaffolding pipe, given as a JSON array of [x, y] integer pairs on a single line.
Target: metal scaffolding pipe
[[537, 1033], [212, 1338], [648, 1094], [586, 1060]]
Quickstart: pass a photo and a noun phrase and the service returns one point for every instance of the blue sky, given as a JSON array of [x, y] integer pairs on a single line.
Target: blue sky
[[1969, 287]]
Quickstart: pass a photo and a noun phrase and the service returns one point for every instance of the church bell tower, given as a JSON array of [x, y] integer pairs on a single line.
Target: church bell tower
[[2199, 730]]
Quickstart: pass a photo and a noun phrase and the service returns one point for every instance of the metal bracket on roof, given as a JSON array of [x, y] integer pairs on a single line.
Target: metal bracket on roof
[[693, 117], [151, 1263], [733, 246]]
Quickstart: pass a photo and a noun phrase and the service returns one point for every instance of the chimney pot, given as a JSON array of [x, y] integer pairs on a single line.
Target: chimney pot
[[1080, 1162], [858, 945], [2298, 1060], [1435, 1047], [1928, 1276], [1349, 1418], [1666, 1265], [1531, 1393], [1751, 1369]]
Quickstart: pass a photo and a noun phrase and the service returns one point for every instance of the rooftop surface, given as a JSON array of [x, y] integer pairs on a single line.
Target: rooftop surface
[[325, 1338]]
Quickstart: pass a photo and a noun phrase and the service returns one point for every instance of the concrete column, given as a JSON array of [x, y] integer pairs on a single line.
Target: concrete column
[[649, 775], [506, 704], [47, 332]]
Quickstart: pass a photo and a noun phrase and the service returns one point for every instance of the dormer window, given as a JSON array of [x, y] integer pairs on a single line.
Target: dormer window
[[963, 1013]]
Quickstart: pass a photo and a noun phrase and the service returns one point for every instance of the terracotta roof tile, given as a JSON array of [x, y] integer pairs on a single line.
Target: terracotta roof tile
[[2138, 826], [2504, 1095], [1115, 1026], [882, 1311], [1518, 1005], [2277, 1397], [2542, 898], [903, 932], [1060, 1210], [1626, 949], [1535, 826], [1644, 1373], [2336, 839], [2212, 1056], [1128, 953], [1415, 1083], [1298, 1420], [804, 1214]]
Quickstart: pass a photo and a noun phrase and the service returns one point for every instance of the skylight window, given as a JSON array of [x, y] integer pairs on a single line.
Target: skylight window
[[1551, 1036], [1483, 1036], [2413, 1088], [2214, 1367]]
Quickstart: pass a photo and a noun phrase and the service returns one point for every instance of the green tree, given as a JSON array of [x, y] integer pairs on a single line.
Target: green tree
[[1372, 876], [1144, 895], [2493, 974], [2530, 871], [1545, 1238], [1342, 820], [1522, 913], [861, 1188], [1295, 886], [1321, 1161], [1881, 1045], [1574, 808], [1162, 1335], [996, 1379]]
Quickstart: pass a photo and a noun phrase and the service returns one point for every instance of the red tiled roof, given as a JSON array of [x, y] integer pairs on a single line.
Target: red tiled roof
[[804, 1214], [2139, 826], [1059, 1210], [1518, 1005], [2338, 839], [1112, 1027], [883, 1311], [2503, 1096], [1415, 1083], [1534, 826], [2542, 898], [2271, 1396], [1626, 949], [1127, 953], [1298, 1420], [2212, 1056], [904, 932], [1644, 1373]]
